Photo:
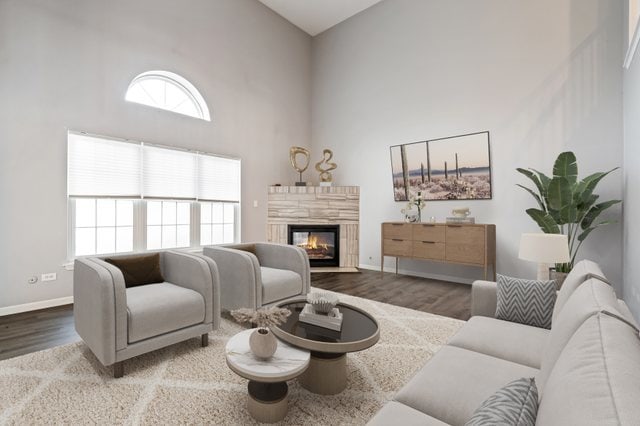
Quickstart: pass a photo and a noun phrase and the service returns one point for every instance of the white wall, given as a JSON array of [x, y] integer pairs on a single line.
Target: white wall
[[67, 64], [542, 76], [632, 186]]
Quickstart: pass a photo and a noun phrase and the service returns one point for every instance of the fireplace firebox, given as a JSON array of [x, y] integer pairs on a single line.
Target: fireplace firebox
[[321, 242]]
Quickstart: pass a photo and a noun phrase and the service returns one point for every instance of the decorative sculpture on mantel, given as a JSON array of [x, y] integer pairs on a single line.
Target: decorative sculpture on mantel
[[325, 172], [294, 151]]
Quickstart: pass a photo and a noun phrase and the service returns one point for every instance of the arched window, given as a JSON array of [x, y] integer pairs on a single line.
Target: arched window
[[169, 91]]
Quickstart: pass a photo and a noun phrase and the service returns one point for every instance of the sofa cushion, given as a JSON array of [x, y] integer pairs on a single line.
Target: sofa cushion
[[596, 380], [527, 302], [589, 298], [155, 309], [138, 269], [278, 284], [395, 413], [581, 272], [510, 341], [456, 381], [514, 404]]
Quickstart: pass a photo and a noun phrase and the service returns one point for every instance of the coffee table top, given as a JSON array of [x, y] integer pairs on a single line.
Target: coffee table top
[[287, 363], [359, 330]]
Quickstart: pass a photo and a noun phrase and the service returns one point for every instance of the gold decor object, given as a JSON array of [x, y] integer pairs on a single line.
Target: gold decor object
[[325, 175], [294, 151]]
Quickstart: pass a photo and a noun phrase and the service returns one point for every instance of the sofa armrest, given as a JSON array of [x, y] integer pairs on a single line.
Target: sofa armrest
[[281, 256], [240, 285], [484, 298], [99, 308], [192, 272]]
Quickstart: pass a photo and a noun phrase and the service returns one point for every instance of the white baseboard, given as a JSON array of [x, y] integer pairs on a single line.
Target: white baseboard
[[34, 306], [420, 274]]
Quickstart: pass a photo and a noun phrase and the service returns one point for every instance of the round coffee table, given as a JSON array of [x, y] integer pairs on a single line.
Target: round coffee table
[[327, 372], [268, 390]]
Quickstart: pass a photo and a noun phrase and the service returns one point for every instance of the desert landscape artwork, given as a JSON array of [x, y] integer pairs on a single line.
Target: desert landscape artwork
[[452, 168]]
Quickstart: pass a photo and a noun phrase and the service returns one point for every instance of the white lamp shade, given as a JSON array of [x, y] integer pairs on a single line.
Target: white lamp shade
[[544, 248]]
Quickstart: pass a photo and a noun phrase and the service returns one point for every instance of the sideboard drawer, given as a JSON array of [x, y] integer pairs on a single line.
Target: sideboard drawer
[[400, 231], [428, 232], [469, 235], [465, 253], [397, 247], [429, 250]]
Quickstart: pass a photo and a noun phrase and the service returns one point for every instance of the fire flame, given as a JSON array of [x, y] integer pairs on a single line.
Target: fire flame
[[312, 244]]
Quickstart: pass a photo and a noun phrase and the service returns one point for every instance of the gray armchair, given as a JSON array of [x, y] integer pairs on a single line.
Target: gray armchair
[[118, 323], [260, 274]]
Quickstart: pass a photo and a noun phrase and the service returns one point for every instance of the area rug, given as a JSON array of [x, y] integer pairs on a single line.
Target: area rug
[[188, 384]]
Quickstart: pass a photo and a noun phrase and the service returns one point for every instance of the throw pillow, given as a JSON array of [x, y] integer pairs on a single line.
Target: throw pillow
[[516, 404], [139, 269], [527, 302]]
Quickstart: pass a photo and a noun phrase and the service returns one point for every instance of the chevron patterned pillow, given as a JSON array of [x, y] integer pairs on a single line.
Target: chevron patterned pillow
[[516, 404], [527, 302]]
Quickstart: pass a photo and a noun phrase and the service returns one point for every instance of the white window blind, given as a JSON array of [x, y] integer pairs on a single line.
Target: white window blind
[[218, 178], [169, 173], [101, 167]]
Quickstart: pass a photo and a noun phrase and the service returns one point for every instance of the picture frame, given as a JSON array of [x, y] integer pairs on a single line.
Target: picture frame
[[450, 168]]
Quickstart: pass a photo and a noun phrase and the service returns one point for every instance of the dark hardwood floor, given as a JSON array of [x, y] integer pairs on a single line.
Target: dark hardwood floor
[[422, 294], [34, 331]]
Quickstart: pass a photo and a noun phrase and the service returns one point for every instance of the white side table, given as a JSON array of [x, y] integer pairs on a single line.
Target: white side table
[[268, 390]]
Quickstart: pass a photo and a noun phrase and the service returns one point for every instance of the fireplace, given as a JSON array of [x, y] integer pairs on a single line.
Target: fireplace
[[321, 242]]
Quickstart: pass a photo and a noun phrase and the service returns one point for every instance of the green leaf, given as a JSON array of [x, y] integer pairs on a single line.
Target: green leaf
[[534, 177], [588, 231], [536, 196], [590, 183], [566, 166], [560, 194], [543, 178], [544, 221], [568, 214], [595, 211]]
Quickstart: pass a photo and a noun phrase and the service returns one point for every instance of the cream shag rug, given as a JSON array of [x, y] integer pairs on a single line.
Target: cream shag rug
[[187, 384]]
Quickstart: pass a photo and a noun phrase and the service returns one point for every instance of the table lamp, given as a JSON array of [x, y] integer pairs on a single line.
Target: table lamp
[[545, 249]]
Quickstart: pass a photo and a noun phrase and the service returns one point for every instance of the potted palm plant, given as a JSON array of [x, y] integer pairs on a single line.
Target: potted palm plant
[[567, 205]]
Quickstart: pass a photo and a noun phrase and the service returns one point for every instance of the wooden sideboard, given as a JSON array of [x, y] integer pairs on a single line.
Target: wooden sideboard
[[468, 244]]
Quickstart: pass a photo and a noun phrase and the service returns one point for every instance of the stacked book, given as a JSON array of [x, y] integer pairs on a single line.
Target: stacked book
[[332, 320], [462, 220]]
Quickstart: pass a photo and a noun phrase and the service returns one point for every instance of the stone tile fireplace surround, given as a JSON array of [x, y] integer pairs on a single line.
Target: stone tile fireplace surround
[[317, 205]]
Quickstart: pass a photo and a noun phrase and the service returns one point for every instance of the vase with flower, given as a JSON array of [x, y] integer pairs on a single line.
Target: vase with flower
[[262, 342], [415, 200]]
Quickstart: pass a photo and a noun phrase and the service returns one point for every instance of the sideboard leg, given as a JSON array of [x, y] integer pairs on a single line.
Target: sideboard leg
[[396, 266]]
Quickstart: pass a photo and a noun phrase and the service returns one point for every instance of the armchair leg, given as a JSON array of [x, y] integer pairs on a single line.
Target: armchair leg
[[118, 369], [205, 340]]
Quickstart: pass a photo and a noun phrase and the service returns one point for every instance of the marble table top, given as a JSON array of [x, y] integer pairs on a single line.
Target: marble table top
[[288, 361]]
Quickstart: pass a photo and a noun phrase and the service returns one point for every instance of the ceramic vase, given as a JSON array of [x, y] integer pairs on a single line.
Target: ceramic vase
[[263, 343]]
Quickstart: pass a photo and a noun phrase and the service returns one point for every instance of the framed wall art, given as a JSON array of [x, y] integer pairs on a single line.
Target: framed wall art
[[451, 168]]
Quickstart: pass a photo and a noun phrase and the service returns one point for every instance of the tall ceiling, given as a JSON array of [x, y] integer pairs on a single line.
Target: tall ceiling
[[315, 16]]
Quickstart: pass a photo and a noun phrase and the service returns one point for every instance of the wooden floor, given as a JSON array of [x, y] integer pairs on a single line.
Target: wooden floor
[[34, 331]]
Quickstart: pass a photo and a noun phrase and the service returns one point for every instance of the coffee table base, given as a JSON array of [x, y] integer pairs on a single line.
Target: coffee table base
[[326, 375], [267, 402]]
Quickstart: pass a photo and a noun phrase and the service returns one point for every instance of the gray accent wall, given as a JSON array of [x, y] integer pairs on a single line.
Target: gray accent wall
[[66, 64], [632, 185], [542, 76]]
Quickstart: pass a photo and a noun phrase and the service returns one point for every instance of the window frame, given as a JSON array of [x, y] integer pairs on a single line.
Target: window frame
[[184, 85], [140, 226]]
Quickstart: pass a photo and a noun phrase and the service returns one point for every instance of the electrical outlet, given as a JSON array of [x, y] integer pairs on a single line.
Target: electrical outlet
[[49, 277], [255, 203], [32, 280]]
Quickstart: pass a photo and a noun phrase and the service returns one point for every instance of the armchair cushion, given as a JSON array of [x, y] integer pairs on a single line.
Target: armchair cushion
[[278, 284], [139, 269], [155, 309]]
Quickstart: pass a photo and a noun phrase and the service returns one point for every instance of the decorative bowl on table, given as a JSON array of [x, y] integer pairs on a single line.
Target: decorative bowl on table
[[322, 302]]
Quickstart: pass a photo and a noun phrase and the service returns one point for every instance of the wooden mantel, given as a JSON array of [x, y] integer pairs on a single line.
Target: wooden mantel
[[321, 205]]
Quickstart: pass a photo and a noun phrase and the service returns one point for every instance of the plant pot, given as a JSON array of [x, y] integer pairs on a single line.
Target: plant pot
[[263, 343], [559, 278]]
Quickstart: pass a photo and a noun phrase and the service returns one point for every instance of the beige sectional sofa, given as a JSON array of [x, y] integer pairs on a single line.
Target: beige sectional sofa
[[587, 367]]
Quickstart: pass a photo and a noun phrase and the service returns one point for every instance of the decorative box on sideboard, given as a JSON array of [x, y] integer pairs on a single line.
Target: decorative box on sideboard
[[462, 244]]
